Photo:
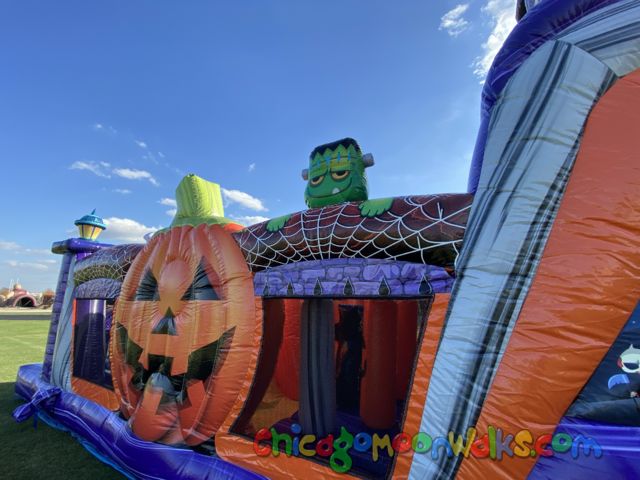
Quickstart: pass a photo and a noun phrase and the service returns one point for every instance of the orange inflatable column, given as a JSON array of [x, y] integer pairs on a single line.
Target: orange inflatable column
[[274, 321], [378, 387], [426, 349], [407, 338], [584, 291]]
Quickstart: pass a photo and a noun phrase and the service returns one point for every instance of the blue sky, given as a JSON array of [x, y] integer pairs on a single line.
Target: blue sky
[[108, 105]]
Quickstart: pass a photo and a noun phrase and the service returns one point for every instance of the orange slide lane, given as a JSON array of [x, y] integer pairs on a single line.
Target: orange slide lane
[[586, 286], [421, 379]]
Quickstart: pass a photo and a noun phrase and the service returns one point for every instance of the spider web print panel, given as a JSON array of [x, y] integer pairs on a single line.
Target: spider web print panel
[[113, 262], [419, 228]]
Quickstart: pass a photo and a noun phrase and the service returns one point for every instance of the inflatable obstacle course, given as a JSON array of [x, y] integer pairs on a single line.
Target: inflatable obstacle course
[[491, 334]]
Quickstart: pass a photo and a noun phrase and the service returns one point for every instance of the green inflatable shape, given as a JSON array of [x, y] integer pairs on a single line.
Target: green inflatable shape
[[336, 174], [199, 201]]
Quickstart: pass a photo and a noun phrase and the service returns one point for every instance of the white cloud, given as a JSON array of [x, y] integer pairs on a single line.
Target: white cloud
[[105, 164], [18, 250], [126, 230], [503, 19], [91, 166], [98, 127], [135, 175], [16, 264], [453, 22], [252, 167], [49, 261], [122, 191], [8, 245], [249, 220], [160, 154], [131, 174], [243, 199], [141, 144], [170, 202]]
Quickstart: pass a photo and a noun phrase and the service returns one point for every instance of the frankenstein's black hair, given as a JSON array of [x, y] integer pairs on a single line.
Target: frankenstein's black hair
[[345, 142]]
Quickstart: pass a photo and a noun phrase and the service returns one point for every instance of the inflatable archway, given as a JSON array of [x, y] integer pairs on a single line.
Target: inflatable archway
[[19, 297], [492, 334]]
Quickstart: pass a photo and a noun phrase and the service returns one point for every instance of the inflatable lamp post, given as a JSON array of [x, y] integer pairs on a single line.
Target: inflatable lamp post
[[90, 226]]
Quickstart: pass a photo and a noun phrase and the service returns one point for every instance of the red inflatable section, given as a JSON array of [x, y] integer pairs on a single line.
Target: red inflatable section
[[407, 341], [390, 332], [378, 386], [288, 367]]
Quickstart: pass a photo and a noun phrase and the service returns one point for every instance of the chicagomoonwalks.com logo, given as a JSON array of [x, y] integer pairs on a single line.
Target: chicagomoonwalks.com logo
[[493, 445]]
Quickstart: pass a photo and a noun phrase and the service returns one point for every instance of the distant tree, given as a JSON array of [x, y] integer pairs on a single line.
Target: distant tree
[[48, 293], [48, 297]]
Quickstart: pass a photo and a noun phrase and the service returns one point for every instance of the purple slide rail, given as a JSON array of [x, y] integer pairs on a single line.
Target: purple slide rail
[[109, 438]]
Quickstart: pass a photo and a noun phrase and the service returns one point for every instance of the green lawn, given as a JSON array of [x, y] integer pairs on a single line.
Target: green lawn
[[45, 314], [27, 453], [34, 311]]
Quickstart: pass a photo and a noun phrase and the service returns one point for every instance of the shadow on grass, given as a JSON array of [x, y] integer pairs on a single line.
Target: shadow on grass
[[28, 453]]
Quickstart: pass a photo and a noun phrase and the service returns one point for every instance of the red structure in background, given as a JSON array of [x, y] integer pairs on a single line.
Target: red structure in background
[[19, 297]]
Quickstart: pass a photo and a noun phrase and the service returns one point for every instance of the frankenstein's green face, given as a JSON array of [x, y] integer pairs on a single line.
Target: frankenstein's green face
[[337, 176]]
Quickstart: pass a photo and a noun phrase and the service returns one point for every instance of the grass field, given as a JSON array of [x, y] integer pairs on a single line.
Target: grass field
[[26, 313], [27, 453], [13, 311]]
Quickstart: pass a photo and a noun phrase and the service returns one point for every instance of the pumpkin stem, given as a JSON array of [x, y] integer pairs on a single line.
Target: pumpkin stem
[[197, 197], [198, 201]]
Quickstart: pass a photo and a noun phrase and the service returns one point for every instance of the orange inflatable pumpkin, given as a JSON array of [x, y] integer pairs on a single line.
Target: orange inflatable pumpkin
[[183, 334]]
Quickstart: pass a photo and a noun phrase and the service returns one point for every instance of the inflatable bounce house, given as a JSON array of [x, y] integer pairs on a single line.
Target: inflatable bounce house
[[490, 334], [19, 297]]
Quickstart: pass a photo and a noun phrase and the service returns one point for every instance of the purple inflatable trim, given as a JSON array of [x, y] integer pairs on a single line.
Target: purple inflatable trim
[[99, 288], [68, 248], [109, 439], [113, 262], [352, 277], [55, 315], [543, 22], [77, 245], [618, 460]]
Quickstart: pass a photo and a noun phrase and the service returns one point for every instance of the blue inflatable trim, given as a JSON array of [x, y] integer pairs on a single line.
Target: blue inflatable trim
[[539, 25], [107, 437]]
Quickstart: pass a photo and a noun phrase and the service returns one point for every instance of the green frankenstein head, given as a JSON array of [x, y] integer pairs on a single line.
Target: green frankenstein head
[[336, 174]]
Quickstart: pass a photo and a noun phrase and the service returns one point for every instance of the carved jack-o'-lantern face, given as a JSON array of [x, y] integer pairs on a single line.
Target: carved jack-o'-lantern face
[[182, 340]]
